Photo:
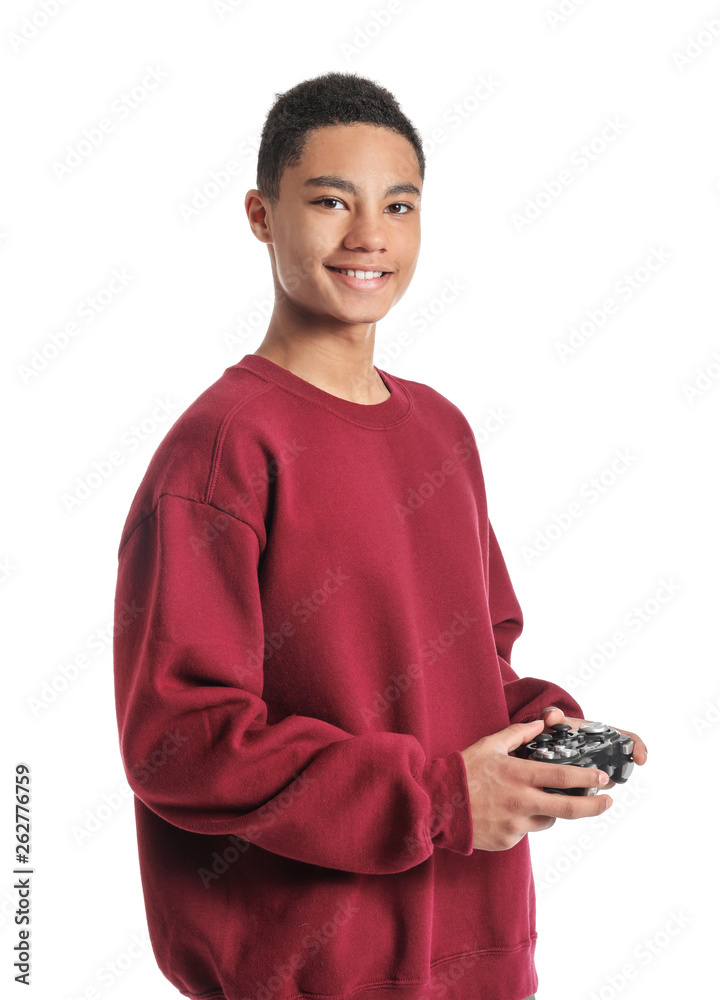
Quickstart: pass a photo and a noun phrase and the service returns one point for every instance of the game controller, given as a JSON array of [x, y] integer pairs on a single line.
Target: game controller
[[593, 744]]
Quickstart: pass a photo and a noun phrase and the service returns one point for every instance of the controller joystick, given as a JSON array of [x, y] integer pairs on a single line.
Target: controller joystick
[[593, 744]]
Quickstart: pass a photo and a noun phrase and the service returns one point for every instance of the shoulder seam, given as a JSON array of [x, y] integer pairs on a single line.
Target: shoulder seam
[[220, 441], [178, 496]]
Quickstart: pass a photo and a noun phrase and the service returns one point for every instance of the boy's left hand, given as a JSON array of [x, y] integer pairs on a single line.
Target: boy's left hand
[[553, 716]]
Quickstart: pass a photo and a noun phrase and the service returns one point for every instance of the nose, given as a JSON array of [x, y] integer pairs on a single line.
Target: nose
[[366, 232]]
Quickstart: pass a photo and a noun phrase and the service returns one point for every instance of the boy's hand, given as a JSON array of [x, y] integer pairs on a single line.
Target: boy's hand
[[553, 716], [506, 792]]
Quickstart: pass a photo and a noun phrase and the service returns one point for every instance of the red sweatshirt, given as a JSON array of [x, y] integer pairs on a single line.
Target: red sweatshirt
[[313, 619]]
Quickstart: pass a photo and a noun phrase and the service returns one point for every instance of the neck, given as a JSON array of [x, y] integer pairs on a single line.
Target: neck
[[343, 368]]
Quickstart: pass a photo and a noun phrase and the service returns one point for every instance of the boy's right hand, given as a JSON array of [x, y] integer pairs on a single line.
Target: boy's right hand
[[506, 793]]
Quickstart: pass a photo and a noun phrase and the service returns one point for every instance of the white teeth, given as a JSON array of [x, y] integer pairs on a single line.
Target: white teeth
[[360, 274]]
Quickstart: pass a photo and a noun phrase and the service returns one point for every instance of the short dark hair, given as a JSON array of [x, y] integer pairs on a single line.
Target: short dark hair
[[331, 99]]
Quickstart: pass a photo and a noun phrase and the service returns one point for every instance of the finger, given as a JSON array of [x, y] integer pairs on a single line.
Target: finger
[[639, 750], [536, 823], [542, 774], [519, 732], [569, 806], [552, 716]]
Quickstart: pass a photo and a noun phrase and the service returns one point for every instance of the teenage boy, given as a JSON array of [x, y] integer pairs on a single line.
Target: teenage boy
[[316, 705]]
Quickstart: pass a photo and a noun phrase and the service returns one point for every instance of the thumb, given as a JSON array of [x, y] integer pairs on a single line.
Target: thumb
[[517, 733]]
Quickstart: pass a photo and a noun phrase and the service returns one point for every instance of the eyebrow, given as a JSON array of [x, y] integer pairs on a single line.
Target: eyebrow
[[329, 180]]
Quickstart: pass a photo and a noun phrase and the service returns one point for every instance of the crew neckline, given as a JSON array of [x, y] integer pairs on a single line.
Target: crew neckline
[[385, 414]]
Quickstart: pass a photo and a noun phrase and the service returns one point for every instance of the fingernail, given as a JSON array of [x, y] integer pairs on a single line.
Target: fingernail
[[603, 779], [608, 804]]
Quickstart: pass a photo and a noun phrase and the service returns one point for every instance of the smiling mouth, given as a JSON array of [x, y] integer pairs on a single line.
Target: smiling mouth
[[346, 270], [359, 281]]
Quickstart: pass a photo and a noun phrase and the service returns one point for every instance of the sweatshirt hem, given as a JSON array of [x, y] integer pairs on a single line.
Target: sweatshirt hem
[[393, 984]]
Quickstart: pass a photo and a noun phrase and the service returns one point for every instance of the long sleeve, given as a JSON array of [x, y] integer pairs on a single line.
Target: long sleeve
[[194, 738], [526, 697]]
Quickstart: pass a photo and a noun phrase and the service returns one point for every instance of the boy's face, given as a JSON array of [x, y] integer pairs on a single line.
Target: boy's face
[[353, 201]]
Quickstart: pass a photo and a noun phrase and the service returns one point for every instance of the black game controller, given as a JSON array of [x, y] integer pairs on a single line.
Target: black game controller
[[593, 744]]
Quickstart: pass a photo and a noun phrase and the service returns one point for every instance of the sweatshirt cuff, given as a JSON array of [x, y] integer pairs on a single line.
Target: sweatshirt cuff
[[445, 781]]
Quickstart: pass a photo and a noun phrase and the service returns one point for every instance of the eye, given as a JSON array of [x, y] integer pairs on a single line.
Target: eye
[[396, 205], [321, 201]]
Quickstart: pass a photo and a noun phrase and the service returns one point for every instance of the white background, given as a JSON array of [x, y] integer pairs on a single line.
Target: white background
[[193, 304]]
